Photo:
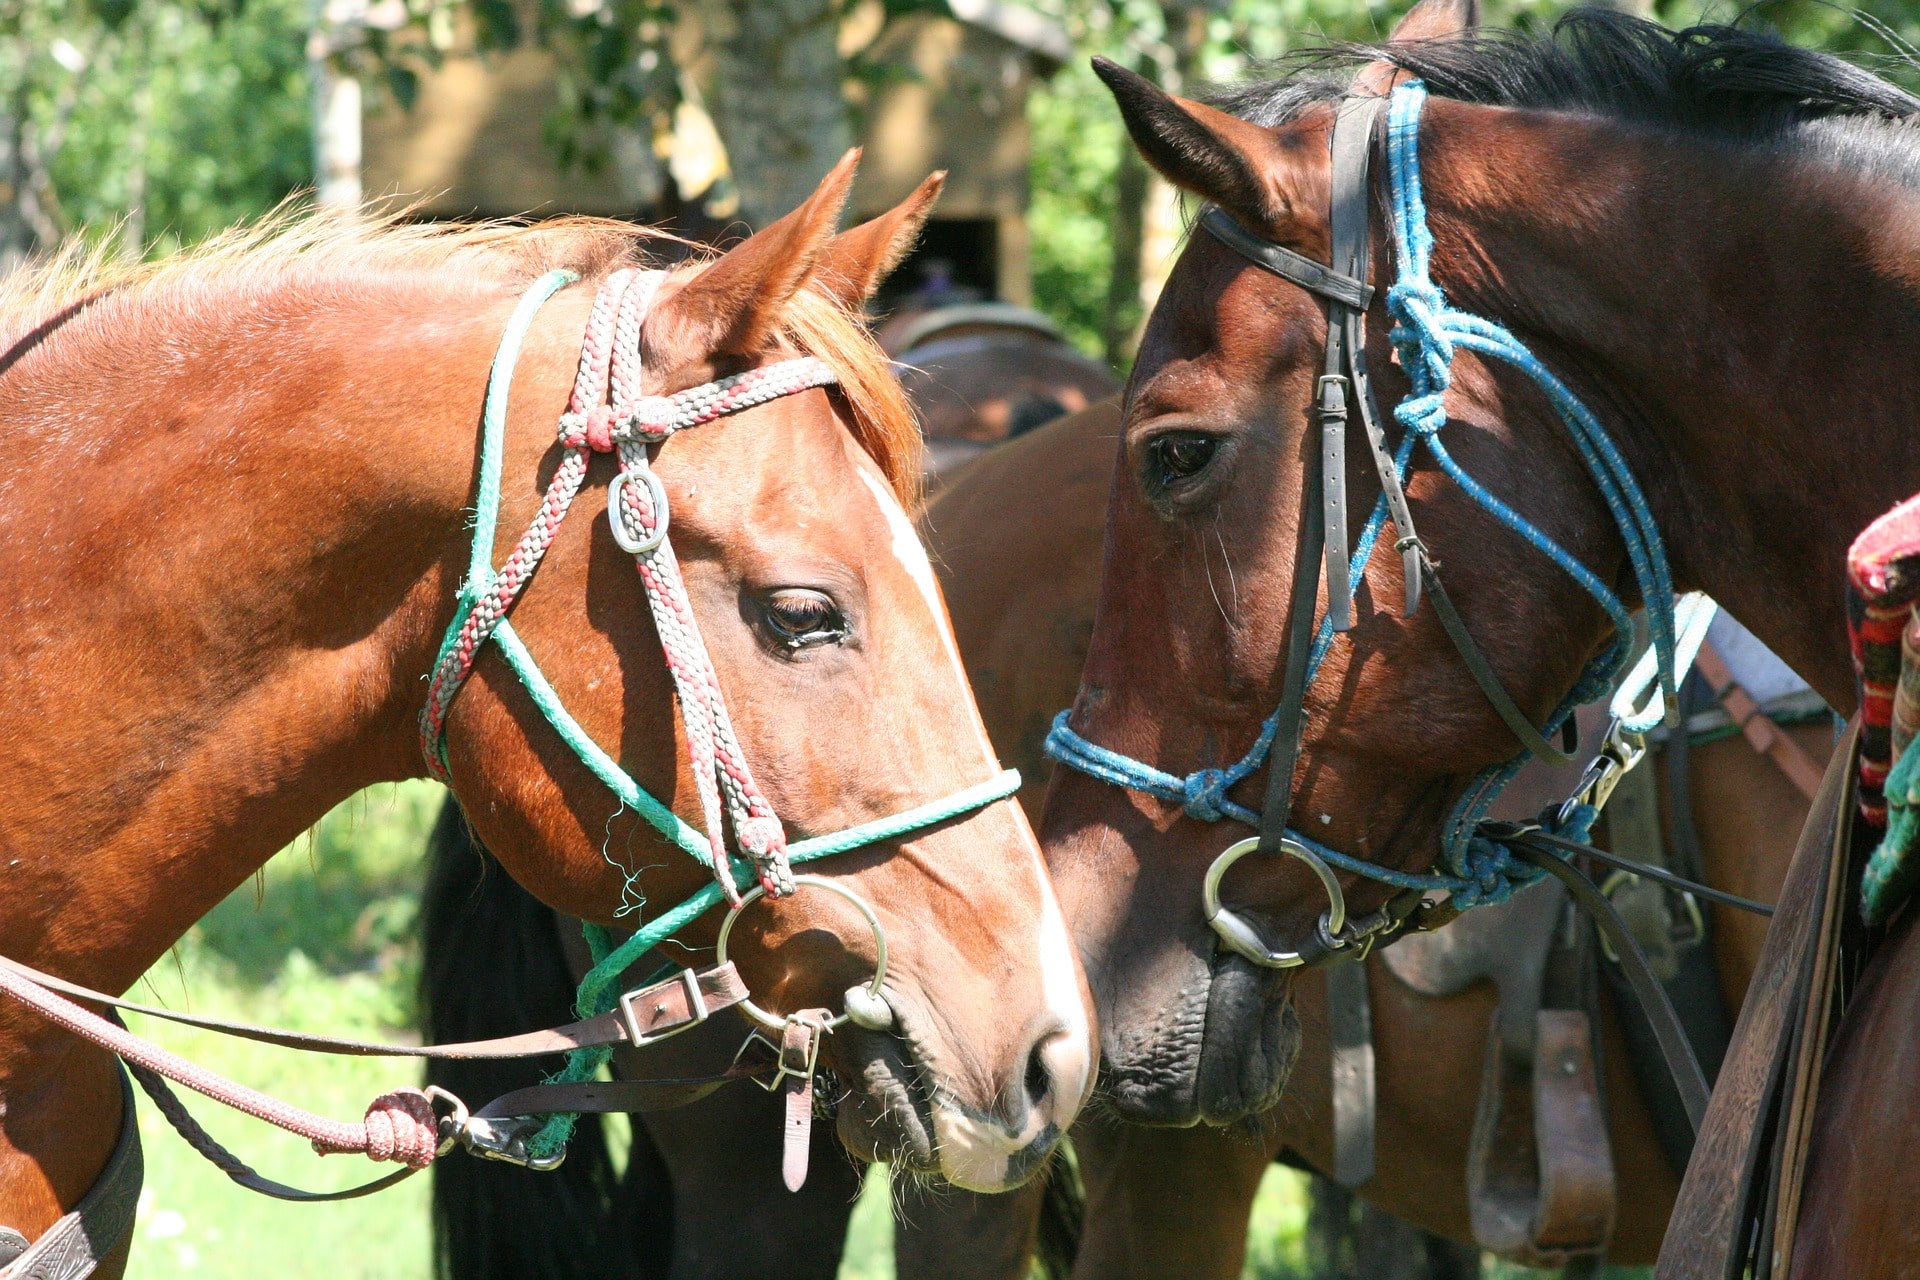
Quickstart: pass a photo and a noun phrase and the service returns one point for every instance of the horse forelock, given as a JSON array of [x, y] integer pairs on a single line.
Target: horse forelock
[[86, 292]]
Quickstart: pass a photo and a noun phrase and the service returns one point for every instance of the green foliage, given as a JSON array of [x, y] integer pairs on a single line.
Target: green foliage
[[196, 113]]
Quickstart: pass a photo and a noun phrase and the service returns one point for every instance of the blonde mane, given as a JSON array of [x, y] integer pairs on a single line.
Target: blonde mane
[[329, 253]]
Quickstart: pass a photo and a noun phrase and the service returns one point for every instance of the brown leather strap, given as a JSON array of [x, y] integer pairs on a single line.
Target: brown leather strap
[[1577, 1198], [1350, 1033], [611, 1097], [642, 1016], [73, 1247], [1674, 1045], [1707, 1237], [1759, 729]]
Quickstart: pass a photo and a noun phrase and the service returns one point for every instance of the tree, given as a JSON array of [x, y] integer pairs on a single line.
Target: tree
[[167, 118]]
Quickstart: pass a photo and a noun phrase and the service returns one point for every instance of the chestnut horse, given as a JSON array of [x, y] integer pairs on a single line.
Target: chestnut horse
[[1708, 239], [206, 658]]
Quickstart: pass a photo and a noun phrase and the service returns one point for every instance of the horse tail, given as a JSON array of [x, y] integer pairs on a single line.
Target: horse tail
[[493, 966], [1063, 1215]]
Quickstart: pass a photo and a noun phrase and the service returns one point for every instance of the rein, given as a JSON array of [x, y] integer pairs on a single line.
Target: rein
[[608, 412]]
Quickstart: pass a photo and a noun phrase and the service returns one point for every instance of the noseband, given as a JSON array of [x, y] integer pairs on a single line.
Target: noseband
[[1477, 864]]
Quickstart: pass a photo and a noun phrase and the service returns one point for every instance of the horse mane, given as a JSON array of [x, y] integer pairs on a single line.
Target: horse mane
[[1729, 84], [334, 255]]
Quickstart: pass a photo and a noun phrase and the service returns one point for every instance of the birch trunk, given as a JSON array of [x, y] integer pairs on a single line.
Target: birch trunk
[[778, 99]]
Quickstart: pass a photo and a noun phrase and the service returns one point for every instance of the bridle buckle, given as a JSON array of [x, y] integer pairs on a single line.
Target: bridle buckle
[[696, 1010]]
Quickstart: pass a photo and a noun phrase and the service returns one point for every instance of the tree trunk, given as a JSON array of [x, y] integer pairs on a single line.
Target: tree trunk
[[779, 99]]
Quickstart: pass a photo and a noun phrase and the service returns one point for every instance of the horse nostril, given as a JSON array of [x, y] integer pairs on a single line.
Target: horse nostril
[[1039, 1079]]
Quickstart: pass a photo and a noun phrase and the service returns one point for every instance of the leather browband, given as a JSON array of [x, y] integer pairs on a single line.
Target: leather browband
[[1316, 277]]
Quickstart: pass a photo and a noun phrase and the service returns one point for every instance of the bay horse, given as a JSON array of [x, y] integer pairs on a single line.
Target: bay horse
[[979, 371], [1706, 238], [213, 653], [1018, 537]]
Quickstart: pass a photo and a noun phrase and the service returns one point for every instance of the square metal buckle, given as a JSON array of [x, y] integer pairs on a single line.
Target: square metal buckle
[[696, 1004]]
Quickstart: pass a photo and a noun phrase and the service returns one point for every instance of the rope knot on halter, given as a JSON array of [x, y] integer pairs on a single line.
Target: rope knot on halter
[[1491, 874], [1420, 337], [399, 1126], [1203, 792], [650, 419]]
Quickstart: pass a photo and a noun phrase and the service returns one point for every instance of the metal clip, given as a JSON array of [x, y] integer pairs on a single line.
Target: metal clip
[[696, 1006], [1619, 753], [503, 1138]]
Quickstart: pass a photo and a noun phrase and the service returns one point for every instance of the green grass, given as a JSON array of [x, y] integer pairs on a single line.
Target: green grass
[[322, 940]]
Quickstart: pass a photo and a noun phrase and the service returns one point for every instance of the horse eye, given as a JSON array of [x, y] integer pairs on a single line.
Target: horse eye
[[1181, 455], [799, 618]]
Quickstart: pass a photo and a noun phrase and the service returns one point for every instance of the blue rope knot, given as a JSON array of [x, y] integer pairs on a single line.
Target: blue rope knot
[[1492, 875], [1203, 792]]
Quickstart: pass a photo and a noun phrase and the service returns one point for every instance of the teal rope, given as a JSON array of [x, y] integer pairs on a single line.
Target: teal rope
[[600, 990], [493, 435], [1890, 874], [604, 767]]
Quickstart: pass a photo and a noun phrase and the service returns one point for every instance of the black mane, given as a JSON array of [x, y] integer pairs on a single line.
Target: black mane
[[1725, 82]]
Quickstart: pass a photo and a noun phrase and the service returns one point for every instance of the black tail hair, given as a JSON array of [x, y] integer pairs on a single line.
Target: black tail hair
[[493, 966]]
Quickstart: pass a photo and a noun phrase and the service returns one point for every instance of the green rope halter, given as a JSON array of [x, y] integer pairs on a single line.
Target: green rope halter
[[599, 990]]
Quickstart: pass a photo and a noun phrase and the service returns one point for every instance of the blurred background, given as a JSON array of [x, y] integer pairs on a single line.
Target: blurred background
[[158, 122]]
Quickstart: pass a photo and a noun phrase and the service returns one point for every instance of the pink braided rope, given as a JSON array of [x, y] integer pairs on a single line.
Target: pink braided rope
[[399, 1126], [609, 411]]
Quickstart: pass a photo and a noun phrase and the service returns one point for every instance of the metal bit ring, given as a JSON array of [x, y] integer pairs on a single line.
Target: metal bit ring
[[778, 1022], [1238, 933]]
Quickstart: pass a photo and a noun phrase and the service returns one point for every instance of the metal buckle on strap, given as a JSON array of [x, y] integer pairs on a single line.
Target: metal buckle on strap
[[696, 1010], [1333, 396]]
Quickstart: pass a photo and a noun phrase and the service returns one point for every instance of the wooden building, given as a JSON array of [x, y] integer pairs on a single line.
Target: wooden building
[[474, 142]]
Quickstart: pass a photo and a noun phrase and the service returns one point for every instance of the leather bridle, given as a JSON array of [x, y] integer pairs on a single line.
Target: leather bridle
[[1525, 852]]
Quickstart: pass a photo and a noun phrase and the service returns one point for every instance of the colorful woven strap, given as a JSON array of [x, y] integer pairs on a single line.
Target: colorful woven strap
[[1883, 579]]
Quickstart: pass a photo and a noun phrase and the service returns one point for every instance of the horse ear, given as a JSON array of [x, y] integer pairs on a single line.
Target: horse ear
[[1428, 20], [855, 262], [1203, 150], [733, 308]]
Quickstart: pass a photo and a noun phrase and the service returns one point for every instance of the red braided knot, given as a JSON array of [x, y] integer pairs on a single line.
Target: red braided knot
[[399, 1126]]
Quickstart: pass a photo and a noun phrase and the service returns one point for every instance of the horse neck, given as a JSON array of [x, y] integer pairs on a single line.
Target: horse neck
[[1738, 318], [257, 550]]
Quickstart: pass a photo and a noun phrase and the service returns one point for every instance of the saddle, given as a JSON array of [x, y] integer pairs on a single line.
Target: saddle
[[1539, 1164]]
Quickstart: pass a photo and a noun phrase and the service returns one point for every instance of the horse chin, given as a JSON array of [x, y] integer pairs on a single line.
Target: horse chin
[[886, 1115], [1221, 1051]]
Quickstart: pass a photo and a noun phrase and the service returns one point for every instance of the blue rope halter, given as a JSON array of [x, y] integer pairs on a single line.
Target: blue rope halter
[[1426, 332]]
